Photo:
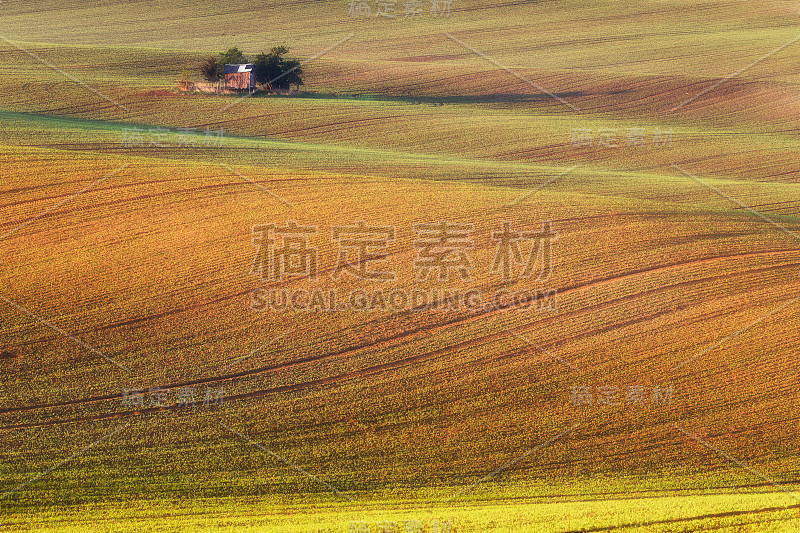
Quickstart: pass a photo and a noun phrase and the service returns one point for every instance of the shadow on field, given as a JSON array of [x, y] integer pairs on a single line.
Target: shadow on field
[[497, 98]]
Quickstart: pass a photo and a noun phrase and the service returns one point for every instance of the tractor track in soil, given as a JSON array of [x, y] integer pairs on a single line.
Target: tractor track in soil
[[362, 373]]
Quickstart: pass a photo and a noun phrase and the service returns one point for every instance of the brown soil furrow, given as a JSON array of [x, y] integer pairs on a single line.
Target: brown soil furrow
[[403, 335]]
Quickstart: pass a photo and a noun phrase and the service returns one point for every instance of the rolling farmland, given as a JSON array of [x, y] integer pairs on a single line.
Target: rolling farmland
[[532, 266]]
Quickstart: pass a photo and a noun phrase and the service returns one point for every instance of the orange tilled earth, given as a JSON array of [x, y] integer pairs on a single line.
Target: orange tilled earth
[[427, 266]]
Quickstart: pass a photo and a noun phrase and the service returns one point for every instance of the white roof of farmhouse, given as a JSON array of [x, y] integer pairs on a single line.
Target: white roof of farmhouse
[[242, 67]]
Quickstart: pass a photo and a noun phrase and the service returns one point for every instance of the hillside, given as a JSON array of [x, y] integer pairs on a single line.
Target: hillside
[[655, 375]]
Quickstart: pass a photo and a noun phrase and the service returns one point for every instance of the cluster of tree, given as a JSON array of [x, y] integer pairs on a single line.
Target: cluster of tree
[[271, 70]]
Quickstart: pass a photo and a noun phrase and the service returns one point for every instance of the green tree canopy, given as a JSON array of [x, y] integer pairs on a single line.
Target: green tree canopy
[[211, 69], [275, 72], [232, 57]]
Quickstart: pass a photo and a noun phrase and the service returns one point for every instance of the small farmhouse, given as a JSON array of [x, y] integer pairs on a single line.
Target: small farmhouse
[[239, 76]]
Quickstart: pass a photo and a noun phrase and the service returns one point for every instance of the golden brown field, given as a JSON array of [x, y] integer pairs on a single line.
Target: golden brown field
[[596, 207]]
